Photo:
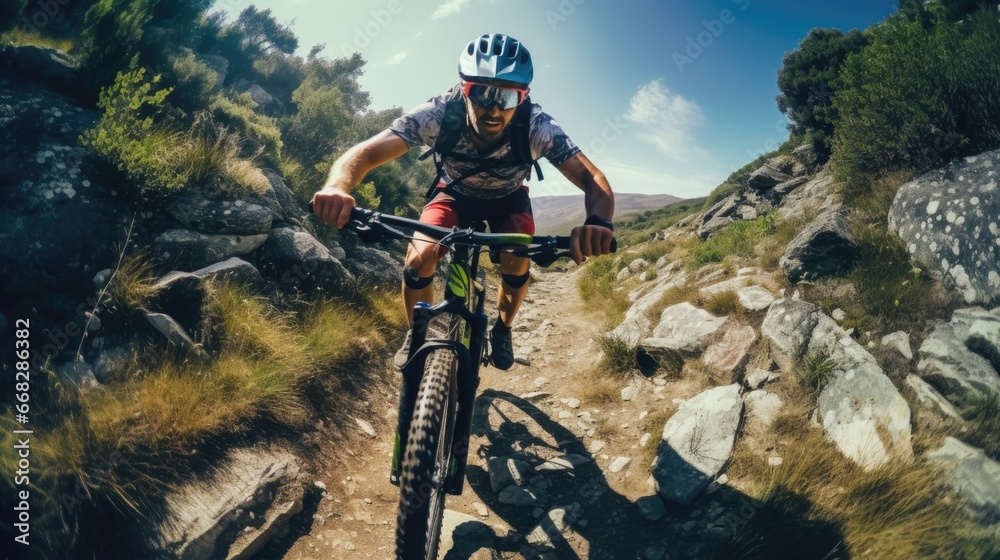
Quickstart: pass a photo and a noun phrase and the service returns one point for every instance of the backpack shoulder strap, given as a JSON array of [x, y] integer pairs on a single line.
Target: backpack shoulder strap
[[520, 137]]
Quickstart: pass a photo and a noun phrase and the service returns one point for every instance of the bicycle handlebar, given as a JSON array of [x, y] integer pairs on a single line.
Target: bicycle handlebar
[[541, 249]]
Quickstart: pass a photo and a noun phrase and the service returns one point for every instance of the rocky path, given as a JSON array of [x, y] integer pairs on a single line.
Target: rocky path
[[557, 468]]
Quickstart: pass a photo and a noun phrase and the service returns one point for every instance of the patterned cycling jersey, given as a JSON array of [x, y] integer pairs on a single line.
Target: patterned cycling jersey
[[547, 139]]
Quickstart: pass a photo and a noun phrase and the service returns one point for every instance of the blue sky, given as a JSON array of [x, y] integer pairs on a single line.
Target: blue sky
[[664, 96]]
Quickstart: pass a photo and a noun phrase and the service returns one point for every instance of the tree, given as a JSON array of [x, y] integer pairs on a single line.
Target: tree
[[111, 40], [10, 13], [808, 75], [261, 33]]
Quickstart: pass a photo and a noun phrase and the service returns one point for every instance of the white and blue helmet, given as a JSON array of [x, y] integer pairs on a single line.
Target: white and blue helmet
[[496, 59]]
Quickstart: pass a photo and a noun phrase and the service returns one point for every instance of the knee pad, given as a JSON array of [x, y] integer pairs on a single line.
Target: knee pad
[[415, 282], [516, 281]]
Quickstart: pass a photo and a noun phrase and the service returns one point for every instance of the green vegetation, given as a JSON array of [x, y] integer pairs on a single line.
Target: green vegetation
[[816, 370], [596, 287], [983, 415], [618, 356], [723, 304], [738, 239]]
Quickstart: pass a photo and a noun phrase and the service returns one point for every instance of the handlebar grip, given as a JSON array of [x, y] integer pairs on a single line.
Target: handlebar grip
[[357, 213], [311, 207]]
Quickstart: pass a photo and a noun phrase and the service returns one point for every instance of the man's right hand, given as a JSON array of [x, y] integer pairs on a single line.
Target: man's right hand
[[333, 206]]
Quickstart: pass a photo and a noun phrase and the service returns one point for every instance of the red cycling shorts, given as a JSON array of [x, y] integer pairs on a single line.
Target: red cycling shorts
[[510, 214]]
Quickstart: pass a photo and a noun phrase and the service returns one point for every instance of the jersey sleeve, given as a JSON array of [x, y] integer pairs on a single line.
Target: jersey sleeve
[[421, 125], [548, 139]]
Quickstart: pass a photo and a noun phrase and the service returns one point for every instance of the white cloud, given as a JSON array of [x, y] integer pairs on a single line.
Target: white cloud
[[397, 58], [450, 7], [667, 120]]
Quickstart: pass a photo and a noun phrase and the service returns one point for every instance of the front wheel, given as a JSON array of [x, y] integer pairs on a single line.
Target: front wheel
[[427, 459]]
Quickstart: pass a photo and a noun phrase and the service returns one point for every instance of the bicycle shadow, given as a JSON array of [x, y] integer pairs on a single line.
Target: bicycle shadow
[[613, 526]]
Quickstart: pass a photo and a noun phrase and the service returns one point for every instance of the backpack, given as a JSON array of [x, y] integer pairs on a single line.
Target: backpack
[[451, 128]]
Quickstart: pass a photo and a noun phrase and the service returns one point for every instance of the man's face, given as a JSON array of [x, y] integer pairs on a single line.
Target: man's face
[[488, 124]]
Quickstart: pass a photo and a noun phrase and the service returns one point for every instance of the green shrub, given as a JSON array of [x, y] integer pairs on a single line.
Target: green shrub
[[619, 358], [638, 227], [193, 82], [596, 286], [127, 138], [259, 134], [112, 39], [916, 97], [983, 415]]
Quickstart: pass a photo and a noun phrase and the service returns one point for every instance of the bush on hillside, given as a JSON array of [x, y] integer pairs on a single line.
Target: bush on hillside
[[915, 98], [128, 139], [807, 77], [260, 138]]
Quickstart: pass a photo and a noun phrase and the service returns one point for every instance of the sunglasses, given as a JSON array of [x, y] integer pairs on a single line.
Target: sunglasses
[[487, 96]]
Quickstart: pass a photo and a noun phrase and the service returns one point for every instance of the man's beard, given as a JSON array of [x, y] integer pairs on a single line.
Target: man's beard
[[480, 132]]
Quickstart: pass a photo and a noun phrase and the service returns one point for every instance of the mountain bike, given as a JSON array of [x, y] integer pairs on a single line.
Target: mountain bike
[[441, 374]]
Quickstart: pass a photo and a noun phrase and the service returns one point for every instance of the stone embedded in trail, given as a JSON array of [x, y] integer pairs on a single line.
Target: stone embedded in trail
[[953, 357], [683, 328], [726, 358], [517, 496], [632, 330], [973, 475], [755, 298], [507, 471], [900, 341], [619, 464], [553, 527], [696, 443], [826, 246], [651, 508], [365, 427], [760, 377], [950, 218], [563, 463], [464, 536]]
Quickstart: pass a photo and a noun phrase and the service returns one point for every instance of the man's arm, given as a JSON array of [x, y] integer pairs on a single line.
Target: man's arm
[[333, 203], [590, 240]]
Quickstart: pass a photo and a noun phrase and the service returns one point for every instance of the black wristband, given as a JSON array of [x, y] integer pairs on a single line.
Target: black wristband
[[595, 220]]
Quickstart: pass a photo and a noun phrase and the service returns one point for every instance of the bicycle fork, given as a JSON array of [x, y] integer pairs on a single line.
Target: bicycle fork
[[468, 382]]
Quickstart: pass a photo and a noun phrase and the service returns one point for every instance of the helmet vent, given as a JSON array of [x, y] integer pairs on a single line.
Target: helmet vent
[[484, 46], [471, 49], [511, 49]]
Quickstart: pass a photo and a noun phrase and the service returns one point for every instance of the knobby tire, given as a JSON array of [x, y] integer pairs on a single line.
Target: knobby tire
[[426, 459]]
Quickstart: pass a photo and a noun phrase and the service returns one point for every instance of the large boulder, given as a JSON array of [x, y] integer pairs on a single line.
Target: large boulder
[[826, 246], [59, 218], [374, 266], [266, 102], [973, 475], [285, 208], [861, 411], [49, 67], [297, 259], [632, 330], [187, 249], [697, 442], [714, 225], [245, 503], [218, 64], [766, 178], [960, 358], [950, 219], [214, 213]]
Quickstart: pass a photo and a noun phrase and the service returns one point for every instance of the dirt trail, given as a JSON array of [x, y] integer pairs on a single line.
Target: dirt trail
[[547, 415]]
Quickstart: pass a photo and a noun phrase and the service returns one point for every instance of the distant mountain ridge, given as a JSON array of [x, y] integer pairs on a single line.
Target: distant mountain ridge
[[557, 215]]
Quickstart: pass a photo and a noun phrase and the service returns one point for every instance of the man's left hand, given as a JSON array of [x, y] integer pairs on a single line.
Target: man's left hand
[[589, 241]]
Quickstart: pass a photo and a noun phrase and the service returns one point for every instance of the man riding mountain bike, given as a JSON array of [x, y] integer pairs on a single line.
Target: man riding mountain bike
[[485, 136]]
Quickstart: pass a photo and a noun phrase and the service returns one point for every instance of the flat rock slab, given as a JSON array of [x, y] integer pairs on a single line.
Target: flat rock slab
[[192, 249], [930, 398], [685, 329], [787, 329], [950, 218], [973, 475], [755, 298], [507, 471], [763, 407], [696, 443], [726, 358]]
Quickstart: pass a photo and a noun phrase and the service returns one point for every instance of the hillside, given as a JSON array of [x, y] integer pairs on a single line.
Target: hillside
[[557, 215]]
